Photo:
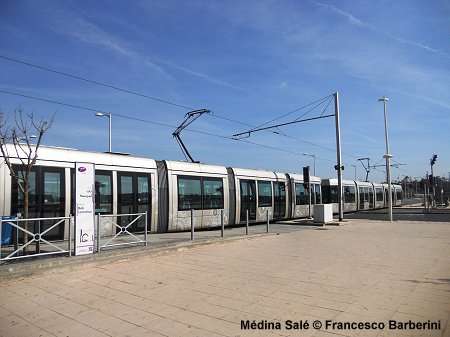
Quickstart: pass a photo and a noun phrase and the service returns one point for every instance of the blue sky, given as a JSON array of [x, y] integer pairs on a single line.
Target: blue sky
[[248, 61]]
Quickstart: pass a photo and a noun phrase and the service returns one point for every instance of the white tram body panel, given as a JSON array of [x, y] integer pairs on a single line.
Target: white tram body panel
[[192, 186]]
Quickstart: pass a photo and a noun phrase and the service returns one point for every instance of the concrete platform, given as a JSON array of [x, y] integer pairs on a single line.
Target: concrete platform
[[362, 271]]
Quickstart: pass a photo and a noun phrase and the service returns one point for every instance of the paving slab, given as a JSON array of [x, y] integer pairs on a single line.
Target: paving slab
[[363, 271]]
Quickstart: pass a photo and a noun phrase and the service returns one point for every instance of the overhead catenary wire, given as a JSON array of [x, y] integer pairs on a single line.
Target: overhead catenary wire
[[94, 82], [172, 126], [282, 134], [319, 101], [148, 121], [163, 124], [295, 110]]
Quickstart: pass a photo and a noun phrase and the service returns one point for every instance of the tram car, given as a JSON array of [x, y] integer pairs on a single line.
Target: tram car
[[359, 195], [170, 190]]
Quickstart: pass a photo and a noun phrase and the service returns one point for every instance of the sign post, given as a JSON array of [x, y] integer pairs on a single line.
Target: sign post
[[84, 208], [307, 185]]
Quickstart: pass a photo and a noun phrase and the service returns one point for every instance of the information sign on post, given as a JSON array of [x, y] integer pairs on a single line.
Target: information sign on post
[[84, 208]]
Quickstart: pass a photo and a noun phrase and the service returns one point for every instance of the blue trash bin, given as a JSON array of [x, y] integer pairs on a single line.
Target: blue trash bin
[[6, 230]]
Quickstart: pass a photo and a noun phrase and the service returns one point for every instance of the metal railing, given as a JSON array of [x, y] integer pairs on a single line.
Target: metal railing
[[43, 245], [122, 230]]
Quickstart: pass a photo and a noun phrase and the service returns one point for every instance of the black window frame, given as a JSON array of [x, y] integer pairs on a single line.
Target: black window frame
[[220, 202], [97, 200], [379, 194], [263, 199], [299, 199], [349, 194]]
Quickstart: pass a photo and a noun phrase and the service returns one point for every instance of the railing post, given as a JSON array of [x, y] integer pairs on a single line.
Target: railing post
[[38, 242], [267, 217], [146, 242], [70, 234], [98, 233], [192, 224], [221, 223], [246, 223]]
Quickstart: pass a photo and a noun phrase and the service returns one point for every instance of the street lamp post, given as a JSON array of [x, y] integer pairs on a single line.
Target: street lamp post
[[354, 167], [314, 156], [388, 157], [109, 115]]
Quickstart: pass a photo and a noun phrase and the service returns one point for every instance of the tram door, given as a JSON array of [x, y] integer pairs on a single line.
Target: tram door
[[134, 196], [361, 198], [46, 199], [279, 193], [248, 199]]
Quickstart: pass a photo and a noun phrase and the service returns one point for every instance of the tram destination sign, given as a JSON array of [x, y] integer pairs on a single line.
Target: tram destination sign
[[84, 208]]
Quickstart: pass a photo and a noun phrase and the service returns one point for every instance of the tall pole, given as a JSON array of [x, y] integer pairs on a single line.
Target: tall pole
[[109, 115], [388, 157], [338, 167], [314, 156], [110, 132], [354, 166], [433, 188]]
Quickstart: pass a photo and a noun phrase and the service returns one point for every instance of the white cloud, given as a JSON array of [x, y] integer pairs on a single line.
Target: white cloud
[[357, 22], [204, 76]]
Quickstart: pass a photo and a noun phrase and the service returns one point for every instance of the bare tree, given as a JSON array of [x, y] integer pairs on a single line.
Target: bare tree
[[15, 143]]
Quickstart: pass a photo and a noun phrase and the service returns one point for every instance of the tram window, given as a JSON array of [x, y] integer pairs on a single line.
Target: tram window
[[349, 194], [212, 193], [379, 194], [366, 194], [317, 194], [371, 196], [46, 195], [399, 195], [326, 194], [32, 195], [264, 194], [334, 194], [103, 192], [52, 188], [143, 190], [126, 189], [189, 193], [361, 196], [301, 195]]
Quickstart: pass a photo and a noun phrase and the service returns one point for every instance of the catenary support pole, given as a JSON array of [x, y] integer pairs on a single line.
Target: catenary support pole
[[339, 155]]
